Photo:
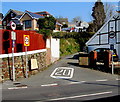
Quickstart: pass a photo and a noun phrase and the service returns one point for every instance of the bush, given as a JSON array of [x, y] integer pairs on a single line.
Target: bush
[[74, 35], [68, 46], [72, 42], [45, 32]]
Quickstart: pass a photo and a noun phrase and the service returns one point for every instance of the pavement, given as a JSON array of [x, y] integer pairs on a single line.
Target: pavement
[[79, 75]]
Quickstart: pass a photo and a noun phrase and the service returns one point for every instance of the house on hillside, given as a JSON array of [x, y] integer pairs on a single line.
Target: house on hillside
[[29, 20], [58, 27], [9, 16], [26, 20], [71, 24], [81, 26], [78, 26], [62, 21], [103, 39]]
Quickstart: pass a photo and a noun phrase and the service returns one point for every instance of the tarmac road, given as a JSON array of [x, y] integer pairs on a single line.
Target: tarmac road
[[64, 81]]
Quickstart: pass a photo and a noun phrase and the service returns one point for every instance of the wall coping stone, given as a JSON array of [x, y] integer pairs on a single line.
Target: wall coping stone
[[22, 53]]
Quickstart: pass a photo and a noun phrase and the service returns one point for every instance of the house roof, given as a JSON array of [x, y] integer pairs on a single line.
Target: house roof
[[15, 11], [62, 20], [43, 13], [59, 23], [32, 15], [17, 17]]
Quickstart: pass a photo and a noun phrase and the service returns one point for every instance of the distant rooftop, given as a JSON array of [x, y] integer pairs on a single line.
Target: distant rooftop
[[34, 15], [43, 13], [17, 12]]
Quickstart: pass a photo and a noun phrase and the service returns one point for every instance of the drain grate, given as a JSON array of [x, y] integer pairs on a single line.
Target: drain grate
[[16, 83]]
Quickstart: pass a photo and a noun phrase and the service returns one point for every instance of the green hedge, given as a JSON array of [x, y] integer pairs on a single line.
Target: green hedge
[[80, 38], [74, 35]]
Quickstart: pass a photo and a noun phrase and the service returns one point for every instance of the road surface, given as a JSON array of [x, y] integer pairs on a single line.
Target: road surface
[[64, 81]]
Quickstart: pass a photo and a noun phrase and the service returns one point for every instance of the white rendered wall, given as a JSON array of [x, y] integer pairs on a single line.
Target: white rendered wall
[[55, 49]]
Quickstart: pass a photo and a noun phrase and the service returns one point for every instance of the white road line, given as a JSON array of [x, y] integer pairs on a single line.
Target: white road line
[[78, 82], [83, 81], [71, 97], [117, 79], [54, 84], [11, 88], [102, 80]]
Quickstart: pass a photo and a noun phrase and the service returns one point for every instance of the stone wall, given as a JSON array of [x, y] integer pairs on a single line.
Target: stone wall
[[20, 65]]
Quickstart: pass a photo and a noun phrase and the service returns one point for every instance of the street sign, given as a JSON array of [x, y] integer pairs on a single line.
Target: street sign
[[12, 25], [111, 34], [13, 35], [112, 47], [26, 44], [13, 43], [26, 40], [112, 39]]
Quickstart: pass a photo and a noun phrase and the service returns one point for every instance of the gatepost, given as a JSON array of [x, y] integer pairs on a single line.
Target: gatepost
[[92, 58]]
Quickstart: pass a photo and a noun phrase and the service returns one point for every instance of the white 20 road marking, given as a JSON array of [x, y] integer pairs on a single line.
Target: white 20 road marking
[[62, 72]]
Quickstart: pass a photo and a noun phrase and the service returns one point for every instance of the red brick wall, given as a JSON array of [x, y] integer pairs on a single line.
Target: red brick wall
[[0, 41]]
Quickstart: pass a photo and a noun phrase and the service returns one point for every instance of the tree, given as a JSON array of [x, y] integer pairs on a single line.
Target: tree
[[46, 25], [76, 19], [98, 15], [64, 26], [91, 27]]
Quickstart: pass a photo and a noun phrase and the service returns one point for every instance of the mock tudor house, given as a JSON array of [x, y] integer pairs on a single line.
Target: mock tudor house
[[103, 39]]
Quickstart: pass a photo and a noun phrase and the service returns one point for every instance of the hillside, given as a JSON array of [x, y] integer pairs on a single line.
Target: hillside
[[68, 46]]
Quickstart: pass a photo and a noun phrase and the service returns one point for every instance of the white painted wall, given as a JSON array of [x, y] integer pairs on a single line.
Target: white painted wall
[[48, 43], [55, 49]]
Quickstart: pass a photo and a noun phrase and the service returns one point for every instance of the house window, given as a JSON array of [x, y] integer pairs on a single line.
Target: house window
[[4, 22], [28, 23], [12, 15]]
